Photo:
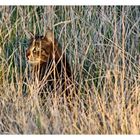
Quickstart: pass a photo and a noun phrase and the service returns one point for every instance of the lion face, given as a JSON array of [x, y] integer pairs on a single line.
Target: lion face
[[42, 48], [39, 50]]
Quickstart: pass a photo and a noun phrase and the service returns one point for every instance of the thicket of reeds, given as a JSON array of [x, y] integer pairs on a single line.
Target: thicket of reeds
[[103, 47]]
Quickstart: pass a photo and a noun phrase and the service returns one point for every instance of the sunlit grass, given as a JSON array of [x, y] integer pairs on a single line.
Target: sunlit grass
[[102, 45]]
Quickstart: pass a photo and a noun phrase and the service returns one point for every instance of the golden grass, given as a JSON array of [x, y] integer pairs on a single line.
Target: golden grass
[[103, 49]]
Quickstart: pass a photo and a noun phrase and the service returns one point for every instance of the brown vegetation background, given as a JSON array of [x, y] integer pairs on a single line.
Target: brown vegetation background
[[103, 47]]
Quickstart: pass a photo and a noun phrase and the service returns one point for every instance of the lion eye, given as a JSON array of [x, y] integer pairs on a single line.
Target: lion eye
[[36, 49]]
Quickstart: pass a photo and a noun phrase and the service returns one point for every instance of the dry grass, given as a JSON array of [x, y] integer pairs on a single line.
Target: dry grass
[[103, 47]]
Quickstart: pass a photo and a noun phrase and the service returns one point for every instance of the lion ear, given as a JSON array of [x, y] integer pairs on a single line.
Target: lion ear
[[49, 35]]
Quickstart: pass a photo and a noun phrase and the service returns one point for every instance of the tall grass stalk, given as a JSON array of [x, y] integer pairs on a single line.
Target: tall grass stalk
[[103, 47]]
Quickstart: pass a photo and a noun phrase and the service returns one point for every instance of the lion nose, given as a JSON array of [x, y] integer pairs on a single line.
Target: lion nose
[[27, 54]]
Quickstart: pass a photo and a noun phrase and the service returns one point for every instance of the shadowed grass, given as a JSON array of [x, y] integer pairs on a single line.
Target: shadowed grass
[[102, 44]]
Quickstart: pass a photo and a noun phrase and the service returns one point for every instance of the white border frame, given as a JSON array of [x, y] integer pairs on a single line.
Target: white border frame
[[69, 2]]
